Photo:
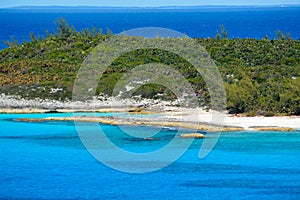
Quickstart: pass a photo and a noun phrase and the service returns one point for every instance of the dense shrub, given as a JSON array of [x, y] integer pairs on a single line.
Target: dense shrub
[[259, 75]]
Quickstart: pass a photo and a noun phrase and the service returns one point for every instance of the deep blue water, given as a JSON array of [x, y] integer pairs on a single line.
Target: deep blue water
[[240, 22], [48, 161]]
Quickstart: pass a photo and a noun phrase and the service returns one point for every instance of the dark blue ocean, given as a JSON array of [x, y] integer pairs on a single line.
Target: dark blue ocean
[[241, 22], [48, 161]]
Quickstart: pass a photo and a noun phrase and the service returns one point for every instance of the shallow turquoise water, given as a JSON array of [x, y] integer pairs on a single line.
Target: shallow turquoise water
[[48, 161]]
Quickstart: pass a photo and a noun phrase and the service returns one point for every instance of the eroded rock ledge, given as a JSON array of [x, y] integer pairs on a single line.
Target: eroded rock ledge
[[155, 122]]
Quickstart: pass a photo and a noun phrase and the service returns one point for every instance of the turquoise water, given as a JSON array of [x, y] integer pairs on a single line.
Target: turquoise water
[[48, 161]]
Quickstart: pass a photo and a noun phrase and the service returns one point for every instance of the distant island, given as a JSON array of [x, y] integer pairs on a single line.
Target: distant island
[[261, 76], [105, 8]]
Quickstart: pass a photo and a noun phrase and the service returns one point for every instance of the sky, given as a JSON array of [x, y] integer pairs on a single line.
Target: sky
[[141, 3]]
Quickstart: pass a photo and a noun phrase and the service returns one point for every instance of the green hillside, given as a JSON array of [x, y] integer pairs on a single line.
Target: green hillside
[[260, 76]]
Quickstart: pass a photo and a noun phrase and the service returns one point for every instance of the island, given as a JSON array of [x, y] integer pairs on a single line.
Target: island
[[261, 79]]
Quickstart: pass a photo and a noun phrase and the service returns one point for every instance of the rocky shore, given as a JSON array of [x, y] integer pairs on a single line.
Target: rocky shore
[[16, 104]]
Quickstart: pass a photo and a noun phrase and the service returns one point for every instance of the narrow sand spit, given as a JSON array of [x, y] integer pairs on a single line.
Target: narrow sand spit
[[196, 119]]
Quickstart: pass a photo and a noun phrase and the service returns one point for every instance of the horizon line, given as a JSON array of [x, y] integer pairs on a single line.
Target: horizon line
[[193, 6]]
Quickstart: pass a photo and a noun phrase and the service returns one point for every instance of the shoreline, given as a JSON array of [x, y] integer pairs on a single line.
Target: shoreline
[[171, 115], [175, 117]]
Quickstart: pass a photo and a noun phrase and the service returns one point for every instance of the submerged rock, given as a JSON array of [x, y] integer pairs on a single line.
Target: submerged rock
[[192, 135], [271, 128]]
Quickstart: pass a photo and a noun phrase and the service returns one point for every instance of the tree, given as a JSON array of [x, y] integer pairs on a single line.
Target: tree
[[224, 33], [63, 28], [13, 43], [32, 37], [279, 35]]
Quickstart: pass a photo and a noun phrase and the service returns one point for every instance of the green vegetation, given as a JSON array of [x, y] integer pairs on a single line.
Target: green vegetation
[[224, 33], [260, 76]]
